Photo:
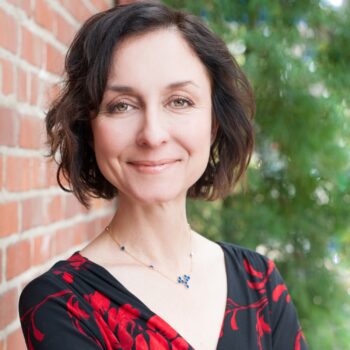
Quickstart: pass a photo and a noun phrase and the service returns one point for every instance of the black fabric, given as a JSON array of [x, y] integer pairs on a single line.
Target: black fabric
[[78, 304]]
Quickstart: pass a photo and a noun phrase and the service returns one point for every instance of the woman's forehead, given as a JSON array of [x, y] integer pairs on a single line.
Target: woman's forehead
[[159, 55]]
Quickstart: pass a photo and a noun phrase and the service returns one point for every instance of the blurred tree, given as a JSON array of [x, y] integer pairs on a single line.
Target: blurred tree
[[296, 207]]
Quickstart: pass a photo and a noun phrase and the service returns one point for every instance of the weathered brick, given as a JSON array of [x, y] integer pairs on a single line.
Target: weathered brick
[[44, 15], [65, 31], [15, 340], [9, 127], [77, 9], [64, 240], [10, 212], [7, 73], [33, 212], [25, 5], [18, 176], [51, 174], [17, 258], [41, 251], [40, 168], [8, 307], [73, 207], [31, 132], [22, 85], [100, 5], [1, 172], [8, 37], [34, 88], [32, 49], [1, 271], [51, 92], [55, 60], [55, 208]]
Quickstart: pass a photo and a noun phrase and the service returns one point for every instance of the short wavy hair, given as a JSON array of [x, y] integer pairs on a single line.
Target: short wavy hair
[[87, 65]]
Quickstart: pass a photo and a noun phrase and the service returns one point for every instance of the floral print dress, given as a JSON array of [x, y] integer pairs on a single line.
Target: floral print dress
[[78, 304]]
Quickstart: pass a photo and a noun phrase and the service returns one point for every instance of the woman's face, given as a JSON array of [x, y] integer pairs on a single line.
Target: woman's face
[[152, 135]]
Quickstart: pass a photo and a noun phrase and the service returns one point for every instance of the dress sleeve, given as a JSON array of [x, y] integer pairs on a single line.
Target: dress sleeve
[[53, 318], [286, 330]]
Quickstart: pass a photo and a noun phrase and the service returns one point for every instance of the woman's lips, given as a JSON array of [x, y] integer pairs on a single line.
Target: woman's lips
[[152, 167]]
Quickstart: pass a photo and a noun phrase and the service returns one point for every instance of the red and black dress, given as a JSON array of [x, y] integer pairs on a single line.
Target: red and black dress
[[78, 304]]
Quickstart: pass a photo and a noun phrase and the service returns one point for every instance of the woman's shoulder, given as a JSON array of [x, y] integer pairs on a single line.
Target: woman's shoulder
[[55, 279], [255, 271], [244, 256]]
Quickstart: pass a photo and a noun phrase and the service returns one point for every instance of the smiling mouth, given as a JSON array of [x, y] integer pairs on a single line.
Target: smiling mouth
[[152, 167]]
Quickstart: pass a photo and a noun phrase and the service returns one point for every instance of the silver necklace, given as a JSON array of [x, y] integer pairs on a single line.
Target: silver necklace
[[181, 279]]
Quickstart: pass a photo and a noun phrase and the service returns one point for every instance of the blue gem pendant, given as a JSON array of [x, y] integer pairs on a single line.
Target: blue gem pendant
[[184, 280]]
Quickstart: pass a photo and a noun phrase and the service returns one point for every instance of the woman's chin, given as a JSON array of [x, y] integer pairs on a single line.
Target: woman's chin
[[148, 197]]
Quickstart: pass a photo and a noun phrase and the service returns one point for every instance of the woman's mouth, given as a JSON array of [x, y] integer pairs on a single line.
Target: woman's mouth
[[152, 167]]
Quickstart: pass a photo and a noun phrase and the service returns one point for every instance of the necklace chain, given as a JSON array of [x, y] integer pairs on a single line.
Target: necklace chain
[[180, 279]]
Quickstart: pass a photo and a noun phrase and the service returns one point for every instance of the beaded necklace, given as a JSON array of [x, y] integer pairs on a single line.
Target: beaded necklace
[[181, 279]]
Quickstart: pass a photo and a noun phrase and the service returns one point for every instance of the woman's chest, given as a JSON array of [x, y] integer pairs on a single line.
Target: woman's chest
[[195, 313]]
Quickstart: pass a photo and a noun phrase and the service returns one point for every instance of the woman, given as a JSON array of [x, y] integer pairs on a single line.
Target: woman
[[155, 110]]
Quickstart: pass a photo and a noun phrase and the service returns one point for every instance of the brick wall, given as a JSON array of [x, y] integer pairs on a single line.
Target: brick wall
[[39, 223]]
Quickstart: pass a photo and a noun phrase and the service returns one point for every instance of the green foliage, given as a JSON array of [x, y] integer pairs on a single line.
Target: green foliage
[[295, 210]]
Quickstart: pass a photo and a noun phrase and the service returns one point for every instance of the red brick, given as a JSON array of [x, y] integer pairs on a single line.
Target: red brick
[[1, 172], [33, 212], [55, 60], [89, 232], [44, 15], [22, 85], [80, 231], [10, 212], [100, 5], [65, 31], [40, 169], [32, 48], [51, 174], [9, 126], [73, 207], [18, 258], [7, 77], [78, 10], [8, 35], [31, 133], [34, 88], [51, 92], [18, 175], [8, 307], [41, 251], [64, 240], [2, 344], [0, 273], [25, 5], [55, 209], [15, 340]]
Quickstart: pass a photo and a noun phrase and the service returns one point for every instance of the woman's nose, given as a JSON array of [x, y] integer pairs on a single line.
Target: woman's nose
[[153, 130]]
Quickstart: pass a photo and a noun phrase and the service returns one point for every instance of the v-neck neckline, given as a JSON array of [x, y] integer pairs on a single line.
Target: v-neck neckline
[[116, 281]]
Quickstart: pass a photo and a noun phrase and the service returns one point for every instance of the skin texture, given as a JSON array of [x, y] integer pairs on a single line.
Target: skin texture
[[152, 139]]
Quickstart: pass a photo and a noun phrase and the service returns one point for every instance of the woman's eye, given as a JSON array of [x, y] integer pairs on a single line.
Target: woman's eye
[[119, 107], [181, 102]]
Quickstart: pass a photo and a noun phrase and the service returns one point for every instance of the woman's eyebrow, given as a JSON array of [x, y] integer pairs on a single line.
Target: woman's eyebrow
[[180, 84], [120, 88], [129, 89]]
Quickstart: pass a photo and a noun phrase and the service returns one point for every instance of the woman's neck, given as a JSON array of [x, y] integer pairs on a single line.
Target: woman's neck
[[156, 234]]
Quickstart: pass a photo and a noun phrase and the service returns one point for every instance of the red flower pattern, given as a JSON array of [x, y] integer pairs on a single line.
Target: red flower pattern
[[123, 327], [257, 281]]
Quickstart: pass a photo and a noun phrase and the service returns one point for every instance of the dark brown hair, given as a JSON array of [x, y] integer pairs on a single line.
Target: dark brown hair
[[87, 66]]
